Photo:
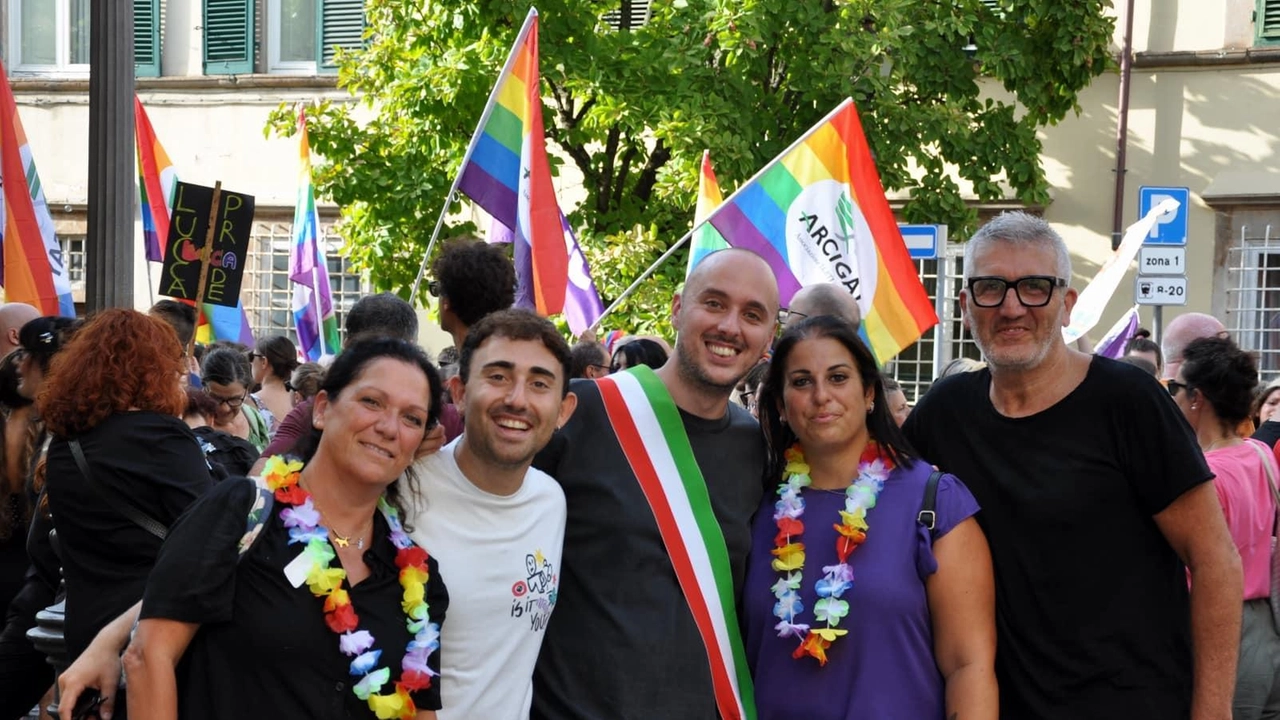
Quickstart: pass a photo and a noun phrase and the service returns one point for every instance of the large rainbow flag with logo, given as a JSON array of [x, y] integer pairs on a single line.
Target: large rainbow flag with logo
[[157, 179], [34, 270], [505, 170], [817, 213]]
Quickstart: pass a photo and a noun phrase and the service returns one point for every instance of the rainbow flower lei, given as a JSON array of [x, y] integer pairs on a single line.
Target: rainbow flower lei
[[873, 469], [303, 521]]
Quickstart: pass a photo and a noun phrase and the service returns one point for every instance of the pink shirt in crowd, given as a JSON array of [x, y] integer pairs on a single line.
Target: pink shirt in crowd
[[1247, 502]]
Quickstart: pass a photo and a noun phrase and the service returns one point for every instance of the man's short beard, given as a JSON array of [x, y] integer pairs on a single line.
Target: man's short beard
[[689, 370]]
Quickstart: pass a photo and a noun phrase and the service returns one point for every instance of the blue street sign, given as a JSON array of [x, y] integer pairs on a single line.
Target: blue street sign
[[924, 242], [1170, 228]]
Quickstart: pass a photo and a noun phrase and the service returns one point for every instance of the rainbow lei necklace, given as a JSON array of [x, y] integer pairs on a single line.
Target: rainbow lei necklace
[[873, 469], [303, 521]]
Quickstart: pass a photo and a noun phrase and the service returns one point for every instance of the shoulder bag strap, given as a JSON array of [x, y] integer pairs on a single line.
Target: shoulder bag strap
[[1267, 459], [139, 518], [927, 516]]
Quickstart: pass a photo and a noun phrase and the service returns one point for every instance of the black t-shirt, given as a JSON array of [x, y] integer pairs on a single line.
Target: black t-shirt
[[622, 641], [1092, 608], [149, 460], [1268, 432], [263, 649]]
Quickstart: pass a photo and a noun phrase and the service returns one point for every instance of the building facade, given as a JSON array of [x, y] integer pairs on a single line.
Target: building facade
[[1204, 88]]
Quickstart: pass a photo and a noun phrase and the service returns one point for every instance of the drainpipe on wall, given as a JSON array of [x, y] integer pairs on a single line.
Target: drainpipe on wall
[[1122, 126]]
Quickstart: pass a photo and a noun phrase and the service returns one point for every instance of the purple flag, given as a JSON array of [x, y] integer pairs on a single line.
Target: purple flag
[[1113, 343], [582, 305]]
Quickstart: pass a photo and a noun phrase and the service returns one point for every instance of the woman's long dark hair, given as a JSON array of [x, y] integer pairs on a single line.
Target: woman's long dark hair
[[779, 436], [349, 365]]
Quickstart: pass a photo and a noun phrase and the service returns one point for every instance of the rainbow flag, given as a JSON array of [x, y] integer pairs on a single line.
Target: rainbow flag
[[817, 213], [156, 180], [706, 239], [33, 270], [313, 314], [505, 170]]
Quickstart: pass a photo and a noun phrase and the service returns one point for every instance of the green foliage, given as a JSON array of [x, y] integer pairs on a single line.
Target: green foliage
[[631, 111]]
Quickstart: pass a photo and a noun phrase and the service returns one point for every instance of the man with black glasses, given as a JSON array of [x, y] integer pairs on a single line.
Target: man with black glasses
[[1093, 498]]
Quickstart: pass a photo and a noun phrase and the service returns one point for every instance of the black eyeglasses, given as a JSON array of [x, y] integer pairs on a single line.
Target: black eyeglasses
[[1032, 290], [288, 387], [433, 287], [784, 315], [232, 403], [1176, 387]]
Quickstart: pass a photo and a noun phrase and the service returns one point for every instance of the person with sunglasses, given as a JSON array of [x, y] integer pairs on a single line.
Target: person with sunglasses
[[226, 376], [1094, 497], [1214, 389]]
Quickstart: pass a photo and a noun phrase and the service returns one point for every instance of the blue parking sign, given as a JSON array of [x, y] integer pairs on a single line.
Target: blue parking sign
[[1170, 228]]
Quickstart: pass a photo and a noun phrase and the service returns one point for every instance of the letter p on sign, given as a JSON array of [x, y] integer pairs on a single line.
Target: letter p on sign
[[1165, 217]]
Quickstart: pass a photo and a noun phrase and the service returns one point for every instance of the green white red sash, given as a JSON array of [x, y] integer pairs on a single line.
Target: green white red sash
[[649, 428]]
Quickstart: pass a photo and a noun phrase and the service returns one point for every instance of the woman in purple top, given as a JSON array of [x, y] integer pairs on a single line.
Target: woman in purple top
[[852, 608]]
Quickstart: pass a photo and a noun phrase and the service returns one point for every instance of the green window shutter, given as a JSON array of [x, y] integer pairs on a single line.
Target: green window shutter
[[1267, 21], [341, 26], [146, 38], [228, 37]]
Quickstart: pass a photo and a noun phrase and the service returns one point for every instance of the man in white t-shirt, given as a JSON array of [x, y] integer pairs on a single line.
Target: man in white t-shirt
[[495, 525]]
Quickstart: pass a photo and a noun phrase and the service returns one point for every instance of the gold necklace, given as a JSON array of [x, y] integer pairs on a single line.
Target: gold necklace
[[340, 540], [1219, 441]]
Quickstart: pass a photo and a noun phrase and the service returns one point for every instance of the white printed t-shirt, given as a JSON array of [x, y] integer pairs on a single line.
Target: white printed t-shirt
[[499, 558]]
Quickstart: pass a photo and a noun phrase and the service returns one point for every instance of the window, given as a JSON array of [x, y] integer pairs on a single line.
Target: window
[[1253, 296], [299, 37], [51, 37], [630, 15], [73, 252], [267, 292], [1266, 22]]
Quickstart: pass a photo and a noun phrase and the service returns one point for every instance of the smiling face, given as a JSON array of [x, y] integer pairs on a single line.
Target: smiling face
[[512, 401], [373, 427], [1013, 336], [823, 399], [725, 320]]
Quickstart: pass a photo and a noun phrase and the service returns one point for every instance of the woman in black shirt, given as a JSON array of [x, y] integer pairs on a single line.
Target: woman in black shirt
[[328, 611], [114, 390]]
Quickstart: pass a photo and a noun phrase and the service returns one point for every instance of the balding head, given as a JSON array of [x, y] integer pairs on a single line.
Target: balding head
[[824, 299], [12, 317], [1181, 331]]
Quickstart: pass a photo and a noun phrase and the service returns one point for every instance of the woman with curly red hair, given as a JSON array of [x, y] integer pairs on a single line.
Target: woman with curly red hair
[[121, 460]]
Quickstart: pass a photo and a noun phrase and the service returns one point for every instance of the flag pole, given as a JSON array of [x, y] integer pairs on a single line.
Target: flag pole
[[315, 284], [643, 276], [471, 148]]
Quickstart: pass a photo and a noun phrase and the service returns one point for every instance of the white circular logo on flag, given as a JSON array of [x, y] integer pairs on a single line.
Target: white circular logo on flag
[[828, 240]]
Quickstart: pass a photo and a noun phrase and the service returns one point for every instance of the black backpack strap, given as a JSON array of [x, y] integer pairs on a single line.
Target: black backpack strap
[[259, 512], [120, 504], [928, 517]]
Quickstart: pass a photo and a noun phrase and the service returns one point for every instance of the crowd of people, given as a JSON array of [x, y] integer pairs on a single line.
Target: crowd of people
[[749, 522]]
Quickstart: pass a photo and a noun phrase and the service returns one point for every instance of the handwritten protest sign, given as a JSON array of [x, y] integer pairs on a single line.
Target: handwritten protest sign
[[195, 223]]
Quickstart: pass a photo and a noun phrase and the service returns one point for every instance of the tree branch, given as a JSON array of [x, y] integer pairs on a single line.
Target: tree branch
[[649, 174], [627, 157], [605, 186]]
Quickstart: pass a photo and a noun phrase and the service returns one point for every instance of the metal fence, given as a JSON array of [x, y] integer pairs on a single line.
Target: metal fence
[[1253, 296]]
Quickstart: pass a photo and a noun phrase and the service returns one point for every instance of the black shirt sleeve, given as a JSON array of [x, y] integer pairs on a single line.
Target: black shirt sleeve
[[194, 579], [1162, 456]]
